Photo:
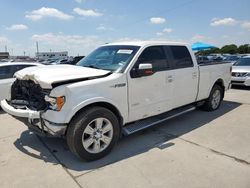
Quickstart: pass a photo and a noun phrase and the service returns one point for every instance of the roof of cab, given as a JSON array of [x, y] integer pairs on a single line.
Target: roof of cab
[[146, 43]]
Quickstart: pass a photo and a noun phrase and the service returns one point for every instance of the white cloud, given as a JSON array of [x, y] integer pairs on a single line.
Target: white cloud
[[79, 1], [127, 39], [4, 39], [47, 12], [87, 12], [224, 22], [73, 43], [157, 20], [159, 33], [164, 31], [246, 25], [102, 27], [167, 30], [17, 27], [197, 38], [225, 36]]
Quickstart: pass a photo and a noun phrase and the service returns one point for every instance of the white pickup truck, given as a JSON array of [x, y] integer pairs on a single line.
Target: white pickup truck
[[120, 88]]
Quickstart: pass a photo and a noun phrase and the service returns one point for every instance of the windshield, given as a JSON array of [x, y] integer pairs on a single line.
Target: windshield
[[243, 62], [232, 58], [114, 58]]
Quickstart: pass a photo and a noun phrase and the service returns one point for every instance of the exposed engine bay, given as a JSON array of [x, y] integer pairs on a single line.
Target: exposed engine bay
[[27, 94]]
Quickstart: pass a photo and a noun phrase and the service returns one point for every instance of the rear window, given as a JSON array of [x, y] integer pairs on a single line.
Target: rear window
[[5, 72], [20, 67], [181, 56]]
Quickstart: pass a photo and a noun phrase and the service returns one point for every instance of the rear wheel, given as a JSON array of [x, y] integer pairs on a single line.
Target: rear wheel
[[214, 100], [93, 133]]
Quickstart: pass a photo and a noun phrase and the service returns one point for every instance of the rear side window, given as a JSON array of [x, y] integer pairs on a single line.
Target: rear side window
[[156, 56], [19, 67], [5, 72], [181, 56], [8, 71]]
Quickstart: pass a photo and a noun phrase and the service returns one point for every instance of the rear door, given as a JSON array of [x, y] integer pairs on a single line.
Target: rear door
[[185, 76], [150, 95]]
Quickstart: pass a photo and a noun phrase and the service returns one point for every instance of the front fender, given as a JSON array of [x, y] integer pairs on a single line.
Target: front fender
[[92, 101]]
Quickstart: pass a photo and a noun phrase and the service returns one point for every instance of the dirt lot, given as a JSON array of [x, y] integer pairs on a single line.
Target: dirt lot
[[198, 149]]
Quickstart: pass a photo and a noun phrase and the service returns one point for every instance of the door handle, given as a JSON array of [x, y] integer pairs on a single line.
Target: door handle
[[170, 78], [194, 75]]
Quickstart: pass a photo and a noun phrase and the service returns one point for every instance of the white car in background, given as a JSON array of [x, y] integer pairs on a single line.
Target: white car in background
[[7, 71], [241, 72]]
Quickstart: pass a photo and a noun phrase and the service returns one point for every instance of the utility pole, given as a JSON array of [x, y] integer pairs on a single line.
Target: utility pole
[[12, 51], [37, 50], [6, 48]]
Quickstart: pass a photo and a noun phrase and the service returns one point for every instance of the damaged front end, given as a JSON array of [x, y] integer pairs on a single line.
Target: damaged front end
[[27, 94], [28, 105]]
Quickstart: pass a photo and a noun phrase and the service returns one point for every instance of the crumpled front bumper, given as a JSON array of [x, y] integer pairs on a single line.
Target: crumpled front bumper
[[34, 121]]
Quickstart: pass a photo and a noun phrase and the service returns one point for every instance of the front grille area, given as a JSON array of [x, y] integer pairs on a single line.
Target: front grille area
[[239, 74], [28, 94], [237, 82]]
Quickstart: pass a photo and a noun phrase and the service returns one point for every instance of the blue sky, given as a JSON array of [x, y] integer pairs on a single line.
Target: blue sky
[[79, 26]]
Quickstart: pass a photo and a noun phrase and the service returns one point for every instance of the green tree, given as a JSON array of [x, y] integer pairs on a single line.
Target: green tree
[[243, 49], [210, 51], [229, 49]]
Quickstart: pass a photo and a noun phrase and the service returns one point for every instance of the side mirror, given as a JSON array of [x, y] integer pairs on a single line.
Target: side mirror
[[144, 69]]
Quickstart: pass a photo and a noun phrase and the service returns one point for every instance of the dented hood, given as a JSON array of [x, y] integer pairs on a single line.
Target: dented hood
[[54, 75]]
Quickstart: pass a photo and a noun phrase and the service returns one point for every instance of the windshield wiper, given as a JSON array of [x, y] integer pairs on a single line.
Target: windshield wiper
[[94, 67]]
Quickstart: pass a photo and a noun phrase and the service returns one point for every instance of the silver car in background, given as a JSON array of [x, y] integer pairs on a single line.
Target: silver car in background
[[241, 72]]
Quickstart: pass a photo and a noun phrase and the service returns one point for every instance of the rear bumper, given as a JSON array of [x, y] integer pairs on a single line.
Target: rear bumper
[[34, 121]]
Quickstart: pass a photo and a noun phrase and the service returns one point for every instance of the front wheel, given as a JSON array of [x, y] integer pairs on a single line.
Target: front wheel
[[214, 100], [93, 133]]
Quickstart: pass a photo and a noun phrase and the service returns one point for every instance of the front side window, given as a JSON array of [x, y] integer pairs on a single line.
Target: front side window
[[114, 58], [181, 56], [154, 55]]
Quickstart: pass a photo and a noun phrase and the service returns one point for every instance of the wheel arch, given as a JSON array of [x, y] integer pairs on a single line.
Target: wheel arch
[[103, 104], [220, 83]]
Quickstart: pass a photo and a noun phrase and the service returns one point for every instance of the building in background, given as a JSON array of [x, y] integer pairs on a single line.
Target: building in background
[[4, 55], [52, 55]]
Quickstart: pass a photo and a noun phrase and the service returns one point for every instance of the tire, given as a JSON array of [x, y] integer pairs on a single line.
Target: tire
[[214, 100], [92, 133]]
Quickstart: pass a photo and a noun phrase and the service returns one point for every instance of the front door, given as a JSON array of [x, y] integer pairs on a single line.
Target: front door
[[150, 95]]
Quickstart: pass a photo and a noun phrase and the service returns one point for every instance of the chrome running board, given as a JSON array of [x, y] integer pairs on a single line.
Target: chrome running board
[[151, 121]]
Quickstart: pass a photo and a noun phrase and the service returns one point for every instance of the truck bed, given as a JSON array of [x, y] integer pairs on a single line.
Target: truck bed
[[209, 74]]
